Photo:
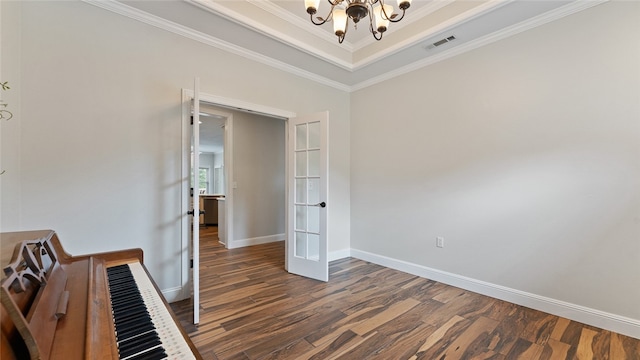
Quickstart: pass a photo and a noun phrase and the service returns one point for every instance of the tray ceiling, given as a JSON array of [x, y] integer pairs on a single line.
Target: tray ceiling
[[279, 33]]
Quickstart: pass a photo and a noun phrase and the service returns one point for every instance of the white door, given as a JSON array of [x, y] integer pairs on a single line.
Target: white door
[[307, 198], [195, 200]]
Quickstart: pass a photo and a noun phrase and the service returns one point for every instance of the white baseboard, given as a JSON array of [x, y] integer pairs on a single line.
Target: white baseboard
[[340, 254], [173, 294], [255, 241], [616, 323]]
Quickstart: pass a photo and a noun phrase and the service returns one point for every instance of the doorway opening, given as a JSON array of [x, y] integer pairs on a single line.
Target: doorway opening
[[230, 110]]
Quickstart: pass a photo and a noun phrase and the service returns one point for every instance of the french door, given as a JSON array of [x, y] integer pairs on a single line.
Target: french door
[[195, 200], [307, 198]]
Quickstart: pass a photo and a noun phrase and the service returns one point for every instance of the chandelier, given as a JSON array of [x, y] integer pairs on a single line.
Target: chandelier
[[341, 11]]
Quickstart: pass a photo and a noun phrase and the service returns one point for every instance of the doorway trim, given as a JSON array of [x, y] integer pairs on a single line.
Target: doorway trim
[[233, 104]]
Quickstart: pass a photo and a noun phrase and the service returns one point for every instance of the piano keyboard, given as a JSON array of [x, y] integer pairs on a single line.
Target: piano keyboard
[[144, 327]]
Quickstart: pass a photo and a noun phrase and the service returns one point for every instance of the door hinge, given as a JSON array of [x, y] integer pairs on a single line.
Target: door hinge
[[191, 266], [191, 119]]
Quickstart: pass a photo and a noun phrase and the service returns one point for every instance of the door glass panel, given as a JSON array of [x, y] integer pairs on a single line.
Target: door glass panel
[[301, 217], [301, 163], [313, 247], [314, 162], [314, 190], [301, 137], [313, 220], [301, 191], [301, 244], [314, 135]]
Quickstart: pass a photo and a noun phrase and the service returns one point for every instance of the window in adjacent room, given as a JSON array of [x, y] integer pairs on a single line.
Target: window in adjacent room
[[218, 180], [203, 180]]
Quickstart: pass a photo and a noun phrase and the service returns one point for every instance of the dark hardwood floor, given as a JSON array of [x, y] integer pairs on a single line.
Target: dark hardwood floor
[[251, 308]]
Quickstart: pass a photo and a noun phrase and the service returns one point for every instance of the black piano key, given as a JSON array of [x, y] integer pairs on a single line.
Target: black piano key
[[124, 307], [132, 323], [137, 318], [138, 344], [140, 337], [123, 335], [123, 290], [126, 316], [123, 313], [126, 301], [135, 332], [153, 354]]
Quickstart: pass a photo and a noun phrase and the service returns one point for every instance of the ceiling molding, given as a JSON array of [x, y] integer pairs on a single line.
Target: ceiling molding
[[139, 15], [441, 27], [412, 17], [534, 22], [241, 19], [552, 15], [303, 25]]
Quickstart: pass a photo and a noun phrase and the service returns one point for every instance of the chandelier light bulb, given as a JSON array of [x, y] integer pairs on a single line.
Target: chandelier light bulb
[[356, 10], [382, 22], [339, 21], [311, 6]]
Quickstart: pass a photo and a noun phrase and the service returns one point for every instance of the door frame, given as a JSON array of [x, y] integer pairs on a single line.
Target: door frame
[[235, 104]]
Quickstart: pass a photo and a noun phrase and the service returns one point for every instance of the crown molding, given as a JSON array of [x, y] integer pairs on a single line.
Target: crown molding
[[412, 17], [243, 20], [331, 39], [144, 17], [302, 24], [534, 22], [444, 26], [133, 13]]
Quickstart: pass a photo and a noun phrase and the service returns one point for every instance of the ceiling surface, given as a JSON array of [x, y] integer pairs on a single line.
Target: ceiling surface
[[280, 34]]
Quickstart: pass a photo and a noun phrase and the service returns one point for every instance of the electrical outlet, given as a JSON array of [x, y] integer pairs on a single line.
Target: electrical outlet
[[439, 241]]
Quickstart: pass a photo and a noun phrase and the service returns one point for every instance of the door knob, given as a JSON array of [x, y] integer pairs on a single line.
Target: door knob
[[192, 212], [322, 204]]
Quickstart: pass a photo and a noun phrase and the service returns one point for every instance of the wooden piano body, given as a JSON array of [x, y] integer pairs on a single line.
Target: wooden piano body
[[57, 306]]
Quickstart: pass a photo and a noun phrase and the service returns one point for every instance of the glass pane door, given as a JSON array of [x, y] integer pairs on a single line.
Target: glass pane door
[[307, 195]]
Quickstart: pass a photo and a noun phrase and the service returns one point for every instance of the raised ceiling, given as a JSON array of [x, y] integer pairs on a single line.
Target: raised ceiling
[[279, 33]]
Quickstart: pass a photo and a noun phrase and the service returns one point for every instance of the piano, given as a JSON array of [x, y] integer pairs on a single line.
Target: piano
[[97, 306]]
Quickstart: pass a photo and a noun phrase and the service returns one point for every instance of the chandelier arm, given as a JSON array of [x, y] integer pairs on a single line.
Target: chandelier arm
[[346, 28], [371, 28], [373, 31], [328, 18], [387, 17]]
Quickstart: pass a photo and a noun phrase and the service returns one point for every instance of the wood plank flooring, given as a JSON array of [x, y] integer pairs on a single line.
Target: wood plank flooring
[[251, 308]]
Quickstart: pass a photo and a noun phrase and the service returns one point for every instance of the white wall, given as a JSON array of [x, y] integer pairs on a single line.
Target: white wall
[[218, 160], [10, 130], [524, 155], [259, 173], [99, 132]]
